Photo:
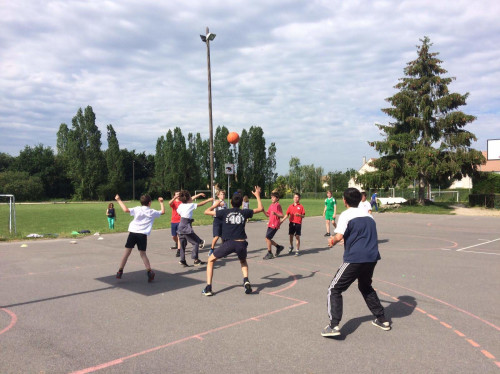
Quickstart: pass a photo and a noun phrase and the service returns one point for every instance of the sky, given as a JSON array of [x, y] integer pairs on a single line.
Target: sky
[[313, 74]]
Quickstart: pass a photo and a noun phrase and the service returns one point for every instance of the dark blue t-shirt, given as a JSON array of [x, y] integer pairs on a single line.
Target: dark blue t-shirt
[[233, 222]]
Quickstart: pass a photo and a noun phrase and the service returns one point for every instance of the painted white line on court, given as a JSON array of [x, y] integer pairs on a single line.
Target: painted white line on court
[[476, 245], [484, 253]]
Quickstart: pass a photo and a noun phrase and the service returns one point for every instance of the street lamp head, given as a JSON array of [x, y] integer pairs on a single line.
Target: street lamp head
[[210, 36], [203, 38]]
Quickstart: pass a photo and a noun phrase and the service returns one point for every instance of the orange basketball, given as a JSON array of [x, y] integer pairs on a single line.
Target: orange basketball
[[233, 137]]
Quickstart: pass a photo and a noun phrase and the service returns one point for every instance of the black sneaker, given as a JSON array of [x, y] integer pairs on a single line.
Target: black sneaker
[[327, 234], [199, 263], [183, 263], [178, 253], [151, 276], [268, 256], [207, 291], [279, 248], [248, 288], [297, 253], [329, 331], [386, 326], [119, 274], [202, 244], [290, 250]]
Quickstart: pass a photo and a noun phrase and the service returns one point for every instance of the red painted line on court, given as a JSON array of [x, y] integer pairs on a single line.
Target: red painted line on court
[[445, 324], [421, 310], [473, 343], [433, 317], [13, 320], [498, 363], [444, 303], [487, 354], [459, 333]]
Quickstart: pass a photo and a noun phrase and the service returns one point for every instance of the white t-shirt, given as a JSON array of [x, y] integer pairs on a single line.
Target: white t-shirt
[[143, 220], [186, 210], [365, 205]]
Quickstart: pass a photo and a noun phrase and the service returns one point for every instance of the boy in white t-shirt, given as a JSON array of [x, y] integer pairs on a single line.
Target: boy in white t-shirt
[[365, 205], [139, 230], [185, 230]]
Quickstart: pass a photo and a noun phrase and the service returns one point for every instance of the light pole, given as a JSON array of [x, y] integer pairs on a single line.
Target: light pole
[[206, 39], [133, 180]]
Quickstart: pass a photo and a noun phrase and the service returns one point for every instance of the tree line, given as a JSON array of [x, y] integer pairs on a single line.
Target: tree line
[[81, 170]]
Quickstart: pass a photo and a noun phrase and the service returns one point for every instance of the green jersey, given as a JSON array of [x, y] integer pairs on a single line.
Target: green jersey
[[330, 203]]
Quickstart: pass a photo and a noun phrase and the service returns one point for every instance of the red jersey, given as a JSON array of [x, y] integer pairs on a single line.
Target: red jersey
[[292, 210], [274, 221], [176, 218]]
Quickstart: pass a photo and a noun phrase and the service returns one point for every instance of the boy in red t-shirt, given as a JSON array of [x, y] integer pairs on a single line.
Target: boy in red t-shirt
[[295, 213], [174, 222], [275, 213]]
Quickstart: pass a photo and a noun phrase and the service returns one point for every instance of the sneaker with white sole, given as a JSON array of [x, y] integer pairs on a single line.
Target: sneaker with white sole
[[202, 244], [329, 331], [279, 248], [268, 256], [199, 262], [386, 326], [183, 263], [248, 287], [207, 291]]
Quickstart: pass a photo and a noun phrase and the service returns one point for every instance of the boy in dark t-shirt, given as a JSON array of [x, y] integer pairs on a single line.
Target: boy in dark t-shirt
[[233, 235]]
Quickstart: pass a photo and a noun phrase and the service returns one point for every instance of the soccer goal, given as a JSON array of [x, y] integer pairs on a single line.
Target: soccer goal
[[444, 196], [12, 212]]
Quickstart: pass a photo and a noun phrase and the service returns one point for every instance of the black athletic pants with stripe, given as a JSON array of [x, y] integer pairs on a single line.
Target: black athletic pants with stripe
[[347, 274]]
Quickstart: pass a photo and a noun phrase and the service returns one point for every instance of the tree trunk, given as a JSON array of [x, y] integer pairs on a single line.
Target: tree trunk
[[421, 190]]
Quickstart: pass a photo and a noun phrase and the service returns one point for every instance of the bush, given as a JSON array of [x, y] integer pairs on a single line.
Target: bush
[[486, 183], [23, 186], [485, 200]]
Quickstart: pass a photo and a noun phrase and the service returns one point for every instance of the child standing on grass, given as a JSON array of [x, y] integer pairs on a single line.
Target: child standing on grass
[[359, 232], [295, 213], [185, 231], [139, 230], [275, 213], [110, 213], [217, 224], [234, 236]]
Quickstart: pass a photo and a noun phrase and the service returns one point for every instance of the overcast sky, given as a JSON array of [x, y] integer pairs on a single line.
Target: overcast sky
[[313, 74]]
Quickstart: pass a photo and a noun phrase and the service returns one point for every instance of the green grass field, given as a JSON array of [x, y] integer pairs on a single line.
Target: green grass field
[[62, 219]]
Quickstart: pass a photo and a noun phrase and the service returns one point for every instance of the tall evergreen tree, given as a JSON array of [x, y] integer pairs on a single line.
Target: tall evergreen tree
[[427, 142], [270, 173], [87, 166], [114, 161], [222, 154]]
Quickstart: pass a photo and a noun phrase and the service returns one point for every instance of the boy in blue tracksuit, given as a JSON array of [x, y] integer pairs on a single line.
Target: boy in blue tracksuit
[[358, 230]]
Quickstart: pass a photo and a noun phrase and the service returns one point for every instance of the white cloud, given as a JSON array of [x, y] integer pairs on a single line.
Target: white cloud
[[313, 74]]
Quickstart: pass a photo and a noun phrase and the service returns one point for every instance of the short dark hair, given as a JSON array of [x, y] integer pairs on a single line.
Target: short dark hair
[[276, 195], [352, 197], [184, 196], [236, 200], [363, 193], [145, 200], [298, 194]]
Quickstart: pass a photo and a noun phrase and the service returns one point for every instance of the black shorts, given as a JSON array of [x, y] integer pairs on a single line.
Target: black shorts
[[270, 233], [135, 238], [230, 246], [294, 229], [217, 228]]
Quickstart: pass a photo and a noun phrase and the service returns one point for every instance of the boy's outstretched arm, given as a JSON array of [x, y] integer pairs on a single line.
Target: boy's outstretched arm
[[201, 194], [259, 208], [160, 200], [176, 195], [211, 210], [205, 201], [119, 201]]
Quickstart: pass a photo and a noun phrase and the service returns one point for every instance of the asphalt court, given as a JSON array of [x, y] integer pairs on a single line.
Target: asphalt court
[[62, 310]]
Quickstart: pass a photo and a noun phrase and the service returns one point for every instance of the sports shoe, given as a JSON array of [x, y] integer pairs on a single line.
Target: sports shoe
[[207, 291], [198, 262], [151, 276], [279, 248], [202, 243], [268, 256], [183, 263], [330, 331], [290, 249], [386, 326], [327, 234], [297, 253], [210, 252], [178, 253], [248, 288], [119, 274], [173, 247]]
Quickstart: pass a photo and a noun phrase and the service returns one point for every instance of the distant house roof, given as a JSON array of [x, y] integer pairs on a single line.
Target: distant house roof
[[491, 165]]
